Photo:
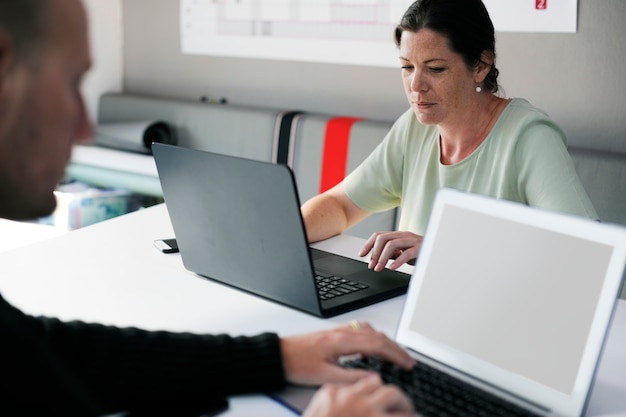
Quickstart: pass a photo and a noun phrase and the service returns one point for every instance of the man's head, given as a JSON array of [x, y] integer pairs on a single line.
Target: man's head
[[44, 54]]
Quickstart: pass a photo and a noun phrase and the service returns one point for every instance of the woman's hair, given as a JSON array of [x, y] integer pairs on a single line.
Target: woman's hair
[[465, 23], [23, 23]]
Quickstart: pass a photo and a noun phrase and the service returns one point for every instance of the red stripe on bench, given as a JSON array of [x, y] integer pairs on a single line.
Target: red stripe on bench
[[335, 156]]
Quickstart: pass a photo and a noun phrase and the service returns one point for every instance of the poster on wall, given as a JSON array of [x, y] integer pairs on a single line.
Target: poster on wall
[[552, 16], [355, 32]]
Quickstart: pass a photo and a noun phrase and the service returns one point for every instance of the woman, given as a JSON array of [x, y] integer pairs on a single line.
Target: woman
[[458, 133]]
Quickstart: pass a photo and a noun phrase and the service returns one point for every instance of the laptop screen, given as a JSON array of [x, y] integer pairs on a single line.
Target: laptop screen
[[515, 296]]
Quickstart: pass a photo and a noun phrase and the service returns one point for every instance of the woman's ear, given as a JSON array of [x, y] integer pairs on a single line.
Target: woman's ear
[[484, 66]]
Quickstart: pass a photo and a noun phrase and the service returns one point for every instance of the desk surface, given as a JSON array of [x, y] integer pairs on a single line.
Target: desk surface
[[111, 273]]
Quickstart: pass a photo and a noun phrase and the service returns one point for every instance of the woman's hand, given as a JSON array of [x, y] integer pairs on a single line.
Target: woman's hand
[[402, 247]]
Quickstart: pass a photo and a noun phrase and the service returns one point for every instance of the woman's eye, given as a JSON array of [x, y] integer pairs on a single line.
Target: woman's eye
[[406, 67], [437, 69]]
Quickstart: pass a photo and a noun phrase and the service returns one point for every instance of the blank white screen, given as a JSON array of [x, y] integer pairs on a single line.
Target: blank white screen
[[519, 297]]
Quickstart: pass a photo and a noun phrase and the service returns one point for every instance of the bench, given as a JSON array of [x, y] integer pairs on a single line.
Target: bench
[[298, 139]]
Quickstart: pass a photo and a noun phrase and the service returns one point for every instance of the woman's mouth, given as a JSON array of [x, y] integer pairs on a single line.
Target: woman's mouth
[[422, 105]]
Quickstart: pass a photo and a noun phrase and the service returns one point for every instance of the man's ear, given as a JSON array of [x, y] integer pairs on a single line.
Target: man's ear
[[7, 56], [484, 66]]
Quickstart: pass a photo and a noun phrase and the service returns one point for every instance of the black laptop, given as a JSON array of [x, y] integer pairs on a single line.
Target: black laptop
[[237, 221]]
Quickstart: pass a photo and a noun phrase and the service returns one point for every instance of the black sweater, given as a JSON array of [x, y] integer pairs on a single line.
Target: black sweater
[[73, 368]]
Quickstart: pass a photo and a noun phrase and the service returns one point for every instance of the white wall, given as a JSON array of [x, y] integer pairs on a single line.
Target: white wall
[[577, 78], [105, 32]]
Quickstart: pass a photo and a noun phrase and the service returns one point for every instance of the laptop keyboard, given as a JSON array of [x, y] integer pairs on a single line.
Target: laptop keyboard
[[329, 286], [435, 393]]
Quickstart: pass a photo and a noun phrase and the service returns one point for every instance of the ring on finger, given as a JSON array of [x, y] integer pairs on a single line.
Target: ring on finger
[[355, 325]]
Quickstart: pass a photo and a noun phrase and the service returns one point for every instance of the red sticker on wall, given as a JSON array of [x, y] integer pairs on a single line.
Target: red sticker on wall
[[541, 4]]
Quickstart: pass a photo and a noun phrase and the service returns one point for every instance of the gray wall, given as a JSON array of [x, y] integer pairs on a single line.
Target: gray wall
[[579, 79]]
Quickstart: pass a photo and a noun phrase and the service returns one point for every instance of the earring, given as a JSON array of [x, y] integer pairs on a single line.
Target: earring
[[478, 89]]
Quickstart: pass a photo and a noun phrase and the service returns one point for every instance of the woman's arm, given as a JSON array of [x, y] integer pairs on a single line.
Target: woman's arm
[[330, 213]]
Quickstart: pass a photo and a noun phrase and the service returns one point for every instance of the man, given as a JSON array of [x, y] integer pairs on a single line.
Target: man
[[51, 367]]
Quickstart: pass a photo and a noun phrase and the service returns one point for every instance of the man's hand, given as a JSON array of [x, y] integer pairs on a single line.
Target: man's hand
[[366, 398], [312, 359]]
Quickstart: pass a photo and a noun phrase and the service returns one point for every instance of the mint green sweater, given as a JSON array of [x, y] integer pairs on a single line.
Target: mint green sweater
[[524, 158]]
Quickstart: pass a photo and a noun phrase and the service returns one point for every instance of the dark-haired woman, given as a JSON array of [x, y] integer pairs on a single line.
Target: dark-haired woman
[[459, 133]]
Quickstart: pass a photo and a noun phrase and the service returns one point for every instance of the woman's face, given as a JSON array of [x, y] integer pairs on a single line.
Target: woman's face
[[437, 82]]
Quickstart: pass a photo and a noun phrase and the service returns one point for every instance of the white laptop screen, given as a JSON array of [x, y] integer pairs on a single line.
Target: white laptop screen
[[511, 295]]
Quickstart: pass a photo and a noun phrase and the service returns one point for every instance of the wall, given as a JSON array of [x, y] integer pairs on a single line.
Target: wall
[[577, 78], [105, 33]]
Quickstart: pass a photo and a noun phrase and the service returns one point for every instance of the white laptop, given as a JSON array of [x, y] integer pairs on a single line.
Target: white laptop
[[516, 299], [512, 299]]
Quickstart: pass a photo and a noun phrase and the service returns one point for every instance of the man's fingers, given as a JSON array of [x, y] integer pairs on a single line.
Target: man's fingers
[[340, 375], [392, 399], [365, 340]]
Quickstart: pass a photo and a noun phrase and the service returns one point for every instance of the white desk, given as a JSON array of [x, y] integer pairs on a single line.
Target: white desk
[[111, 273]]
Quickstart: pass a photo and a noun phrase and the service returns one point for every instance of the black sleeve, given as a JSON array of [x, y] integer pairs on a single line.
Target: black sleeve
[[105, 369]]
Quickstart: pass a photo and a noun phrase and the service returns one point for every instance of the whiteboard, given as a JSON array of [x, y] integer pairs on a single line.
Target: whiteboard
[[355, 32]]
